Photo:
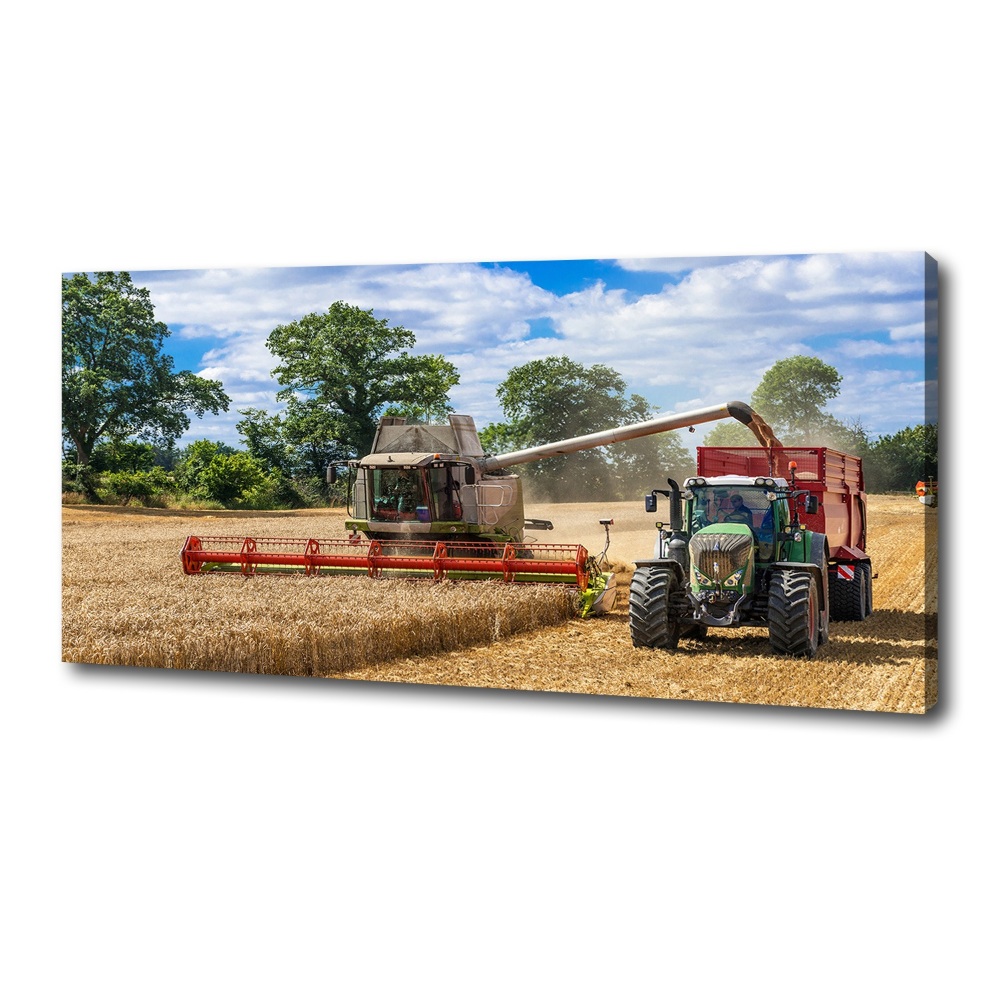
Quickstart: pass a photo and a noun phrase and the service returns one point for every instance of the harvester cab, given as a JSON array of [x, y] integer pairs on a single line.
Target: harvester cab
[[424, 482], [733, 554]]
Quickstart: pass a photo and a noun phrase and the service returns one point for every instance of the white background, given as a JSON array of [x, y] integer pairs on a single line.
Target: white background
[[227, 836]]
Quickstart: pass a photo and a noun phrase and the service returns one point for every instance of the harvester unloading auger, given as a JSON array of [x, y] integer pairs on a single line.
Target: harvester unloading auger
[[428, 502]]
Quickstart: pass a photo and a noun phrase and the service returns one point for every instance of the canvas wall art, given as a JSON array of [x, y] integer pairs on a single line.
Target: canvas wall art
[[704, 479]]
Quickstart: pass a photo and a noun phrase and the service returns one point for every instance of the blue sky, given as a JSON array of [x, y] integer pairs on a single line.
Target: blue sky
[[684, 332]]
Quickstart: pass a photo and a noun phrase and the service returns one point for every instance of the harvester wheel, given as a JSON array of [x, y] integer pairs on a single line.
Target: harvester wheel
[[848, 598], [649, 617], [793, 613]]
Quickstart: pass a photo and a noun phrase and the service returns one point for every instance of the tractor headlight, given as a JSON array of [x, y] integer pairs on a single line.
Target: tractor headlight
[[733, 580], [701, 578]]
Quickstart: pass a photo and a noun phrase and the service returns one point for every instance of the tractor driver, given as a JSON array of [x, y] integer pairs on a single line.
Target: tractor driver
[[739, 513], [406, 493]]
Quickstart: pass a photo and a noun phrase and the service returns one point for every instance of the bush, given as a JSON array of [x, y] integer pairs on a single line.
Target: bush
[[314, 491], [229, 478], [144, 487], [194, 460], [275, 492], [79, 480]]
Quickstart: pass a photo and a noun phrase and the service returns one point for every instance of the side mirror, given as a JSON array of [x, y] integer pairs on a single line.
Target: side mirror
[[812, 504], [650, 503]]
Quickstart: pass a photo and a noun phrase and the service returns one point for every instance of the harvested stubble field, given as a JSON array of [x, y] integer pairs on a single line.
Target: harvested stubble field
[[127, 602]]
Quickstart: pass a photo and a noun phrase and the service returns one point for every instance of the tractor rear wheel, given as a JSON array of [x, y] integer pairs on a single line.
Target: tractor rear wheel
[[649, 618], [793, 616], [848, 600]]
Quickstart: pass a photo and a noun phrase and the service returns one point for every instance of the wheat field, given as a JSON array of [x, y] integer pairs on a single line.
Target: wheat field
[[126, 602]]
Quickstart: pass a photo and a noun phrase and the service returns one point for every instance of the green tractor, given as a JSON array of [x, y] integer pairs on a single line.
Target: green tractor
[[734, 554]]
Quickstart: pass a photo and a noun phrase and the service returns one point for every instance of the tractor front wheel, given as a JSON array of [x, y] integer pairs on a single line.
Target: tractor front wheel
[[649, 618], [793, 613]]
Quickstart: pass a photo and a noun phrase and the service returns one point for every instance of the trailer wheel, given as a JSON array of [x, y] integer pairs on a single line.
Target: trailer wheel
[[869, 597], [649, 617], [848, 599], [793, 613]]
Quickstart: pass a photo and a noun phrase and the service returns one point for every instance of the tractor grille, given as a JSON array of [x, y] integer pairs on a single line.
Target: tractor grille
[[728, 552]]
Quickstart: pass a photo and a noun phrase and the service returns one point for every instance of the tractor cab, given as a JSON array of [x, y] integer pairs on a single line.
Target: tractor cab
[[758, 503], [732, 523], [729, 528]]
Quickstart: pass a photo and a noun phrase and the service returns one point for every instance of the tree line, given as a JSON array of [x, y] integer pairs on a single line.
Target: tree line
[[124, 409]]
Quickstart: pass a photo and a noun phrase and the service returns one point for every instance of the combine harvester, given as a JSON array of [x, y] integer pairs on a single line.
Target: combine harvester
[[927, 492], [429, 503]]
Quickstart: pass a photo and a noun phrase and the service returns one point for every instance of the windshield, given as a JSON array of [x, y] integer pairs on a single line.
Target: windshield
[[415, 494], [747, 505], [399, 495]]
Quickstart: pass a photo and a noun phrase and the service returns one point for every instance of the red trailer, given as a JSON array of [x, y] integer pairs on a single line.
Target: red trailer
[[838, 481]]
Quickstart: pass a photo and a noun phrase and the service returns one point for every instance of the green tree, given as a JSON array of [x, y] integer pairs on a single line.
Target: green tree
[[674, 457], [123, 456], [263, 434], [344, 366], [730, 434], [852, 437], [556, 398], [116, 381], [417, 414], [310, 432], [791, 397], [899, 461]]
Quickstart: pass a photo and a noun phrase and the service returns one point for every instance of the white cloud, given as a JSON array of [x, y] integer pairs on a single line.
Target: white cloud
[[881, 400], [908, 332], [709, 338], [875, 348], [671, 265]]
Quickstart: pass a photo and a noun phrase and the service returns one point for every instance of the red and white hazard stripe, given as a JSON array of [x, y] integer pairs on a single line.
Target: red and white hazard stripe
[[845, 572]]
